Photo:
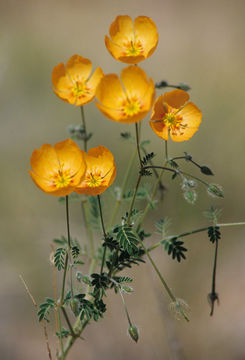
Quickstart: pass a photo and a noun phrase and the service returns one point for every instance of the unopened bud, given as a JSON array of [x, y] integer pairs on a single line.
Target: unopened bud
[[74, 304], [127, 289], [133, 332]]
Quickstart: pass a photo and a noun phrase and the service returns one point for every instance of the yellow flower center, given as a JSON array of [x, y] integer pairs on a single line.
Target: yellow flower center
[[79, 89], [133, 48], [174, 122], [62, 178], [131, 107], [94, 179]]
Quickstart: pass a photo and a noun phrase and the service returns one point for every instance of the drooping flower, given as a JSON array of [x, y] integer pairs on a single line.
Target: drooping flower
[[100, 173], [72, 82], [173, 115], [128, 100], [58, 170], [132, 42]]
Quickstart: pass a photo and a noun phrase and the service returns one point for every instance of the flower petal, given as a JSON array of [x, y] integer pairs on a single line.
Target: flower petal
[[71, 158], [192, 118], [135, 81], [110, 92], [44, 161], [158, 111], [122, 29], [48, 187], [79, 68], [146, 33], [159, 129], [62, 83], [176, 98]]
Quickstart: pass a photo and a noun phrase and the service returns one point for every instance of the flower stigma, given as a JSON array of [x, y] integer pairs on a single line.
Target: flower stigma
[[131, 107], [133, 48], [62, 178]]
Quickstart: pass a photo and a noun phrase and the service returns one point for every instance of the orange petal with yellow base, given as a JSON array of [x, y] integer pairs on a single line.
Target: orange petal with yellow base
[[58, 170], [173, 115], [100, 173], [128, 100], [71, 82], [132, 42]]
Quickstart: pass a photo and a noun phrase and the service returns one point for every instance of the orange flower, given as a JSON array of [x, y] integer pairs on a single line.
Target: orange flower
[[173, 115], [72, 83], [132, 42], [100, 173], [58, 170], [127, 101]]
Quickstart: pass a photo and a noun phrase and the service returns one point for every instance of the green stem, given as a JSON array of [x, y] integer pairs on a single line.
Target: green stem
[[138, 144], [68, 321], [60, 338], [125, 180], [84, 204], [194, 177], [67, 253], [125, 308], [166, 150], [231, 224], [161, 186], [147, 208], [85, 140], [171, 295], [177, 236], [104, 232], [133, 199], [213, 294]]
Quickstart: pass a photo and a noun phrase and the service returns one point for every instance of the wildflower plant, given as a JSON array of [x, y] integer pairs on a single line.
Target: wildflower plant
[[74, 174]]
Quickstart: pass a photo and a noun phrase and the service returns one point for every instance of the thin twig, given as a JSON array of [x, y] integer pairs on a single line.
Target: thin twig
[[43, 325]]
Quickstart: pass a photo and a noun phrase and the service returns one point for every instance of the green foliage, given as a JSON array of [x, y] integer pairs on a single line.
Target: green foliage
[[89, 310], [78, 132], [190, 196], [172, 163], [215, 190], [174, 247], [75, 251], [162, 226], [59, 258], [45, 307], [147, 158], [126, 135], [125, 260], [122, 279], [213, 214], [145, 172], [127, 238], [61, 241], [63, 334], [214, 233], [144, 143]]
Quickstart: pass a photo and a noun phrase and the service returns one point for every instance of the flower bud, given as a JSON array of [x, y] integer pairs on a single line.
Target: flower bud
[[133, 332]]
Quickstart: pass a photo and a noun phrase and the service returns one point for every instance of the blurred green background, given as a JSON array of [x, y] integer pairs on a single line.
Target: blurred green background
[[200, 43]]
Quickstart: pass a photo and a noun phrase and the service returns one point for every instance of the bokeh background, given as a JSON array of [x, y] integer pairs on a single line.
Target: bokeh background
[[201, 43]]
